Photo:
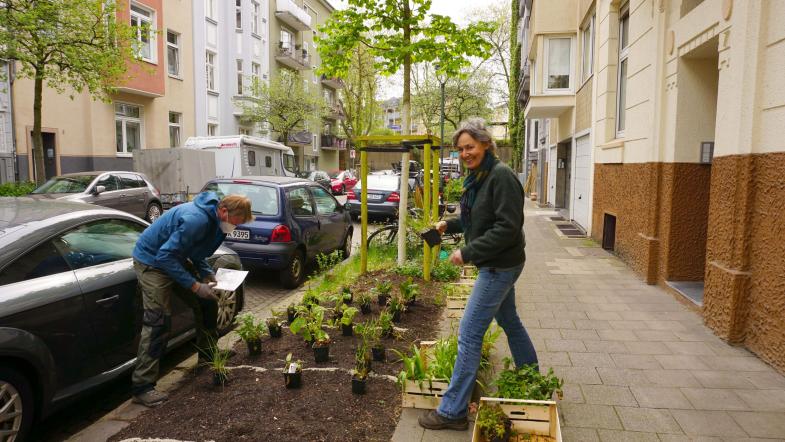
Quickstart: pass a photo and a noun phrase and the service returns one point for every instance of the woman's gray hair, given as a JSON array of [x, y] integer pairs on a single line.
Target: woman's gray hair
[[475, 128]]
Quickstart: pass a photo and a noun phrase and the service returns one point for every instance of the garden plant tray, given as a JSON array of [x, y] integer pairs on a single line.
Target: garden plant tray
[[538, 419], [425, 396]]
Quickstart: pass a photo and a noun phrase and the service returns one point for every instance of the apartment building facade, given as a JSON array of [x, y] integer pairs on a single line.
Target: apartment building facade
[[7, 154], [231, 49], [293, 25], [685, 109], [153, 108]]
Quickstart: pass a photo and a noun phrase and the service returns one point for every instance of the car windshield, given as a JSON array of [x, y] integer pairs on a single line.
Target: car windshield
[[66, 184], [264, 199], [382, 182]]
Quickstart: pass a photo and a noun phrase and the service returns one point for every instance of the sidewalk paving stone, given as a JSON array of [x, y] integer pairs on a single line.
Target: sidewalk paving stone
[[627, 436], [756, 424], [707, 423], [650, 420], [713, 399], [660, 397], [608, 395]]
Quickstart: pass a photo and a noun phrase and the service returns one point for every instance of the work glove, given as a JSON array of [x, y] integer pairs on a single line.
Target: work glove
[[206, 291], [209, 278]]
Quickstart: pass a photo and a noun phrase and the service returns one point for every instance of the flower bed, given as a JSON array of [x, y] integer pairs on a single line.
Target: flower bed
[[254, 403]]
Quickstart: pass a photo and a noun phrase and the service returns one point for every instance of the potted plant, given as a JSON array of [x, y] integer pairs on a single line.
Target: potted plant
[[361, 367], [386, 323], [251, 333], [370, 334], [292, 372], [383, 292], [310, 299], [217, 362], [409, 291], [321, 346], [291, 311], [365, 303], [346, 320], [396, 308], [526, 382], [274, 324], [346, 291], [493, 424]]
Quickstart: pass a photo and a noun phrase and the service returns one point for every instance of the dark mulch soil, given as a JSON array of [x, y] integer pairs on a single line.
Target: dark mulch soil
[[255, 405]]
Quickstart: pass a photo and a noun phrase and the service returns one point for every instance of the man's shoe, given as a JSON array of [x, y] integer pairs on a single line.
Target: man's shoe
[[434, 421], [150, 398]]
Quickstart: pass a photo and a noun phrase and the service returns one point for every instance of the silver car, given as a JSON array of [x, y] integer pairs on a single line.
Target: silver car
[[130, 192]]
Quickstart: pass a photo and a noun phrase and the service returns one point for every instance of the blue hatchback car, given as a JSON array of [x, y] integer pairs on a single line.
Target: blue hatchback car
[[294, 220]]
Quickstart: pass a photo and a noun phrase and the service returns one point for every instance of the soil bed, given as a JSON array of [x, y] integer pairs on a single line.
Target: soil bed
[[254, 405]]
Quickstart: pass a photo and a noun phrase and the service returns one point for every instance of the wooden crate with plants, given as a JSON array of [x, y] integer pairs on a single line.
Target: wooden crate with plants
[[524, 407], [469, 272], [500, 419]]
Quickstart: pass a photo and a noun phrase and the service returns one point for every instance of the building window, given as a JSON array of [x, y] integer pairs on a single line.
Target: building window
[[255, 18], [173, 53], [212, 129], [624, 50], [210, 68], [240, 89], [256, 72], [557, 76], [209, 9], [286, 41], [587, 40], [245, 131], [238, 14], [142, 23], [175, 120], [128, 128]]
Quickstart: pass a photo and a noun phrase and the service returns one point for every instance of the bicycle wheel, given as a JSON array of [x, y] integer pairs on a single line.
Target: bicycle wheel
[[384, 236]]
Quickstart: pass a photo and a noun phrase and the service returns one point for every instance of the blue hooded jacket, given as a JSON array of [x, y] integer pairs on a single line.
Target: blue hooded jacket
[[188, 231]]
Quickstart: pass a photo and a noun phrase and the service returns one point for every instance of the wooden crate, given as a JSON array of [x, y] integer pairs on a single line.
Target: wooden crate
[[540, 419], [469, 272], [426, 397], [456, 303]]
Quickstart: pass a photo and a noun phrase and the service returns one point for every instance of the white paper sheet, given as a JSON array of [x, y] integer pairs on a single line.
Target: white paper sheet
[[229, 279]]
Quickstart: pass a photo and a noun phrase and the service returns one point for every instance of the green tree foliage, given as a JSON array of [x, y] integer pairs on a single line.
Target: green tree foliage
[[284, 103], [515, 121], [499, 35], [398, 33], [466, 95], [69, 45], [361, 83]]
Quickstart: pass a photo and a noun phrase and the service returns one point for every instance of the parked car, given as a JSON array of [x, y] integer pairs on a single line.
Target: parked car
[[383, 195], [294, 220], [130, 192], [70, 306], [321, 178], [342, 180]]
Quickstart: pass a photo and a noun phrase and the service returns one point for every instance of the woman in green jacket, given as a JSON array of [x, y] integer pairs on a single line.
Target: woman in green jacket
[[492, 223]]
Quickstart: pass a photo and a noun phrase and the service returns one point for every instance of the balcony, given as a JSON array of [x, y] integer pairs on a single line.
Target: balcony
[[333, 143], [334, 83], [524, 85], [548, 106], [291, 14], [334, 111], [292, 56]]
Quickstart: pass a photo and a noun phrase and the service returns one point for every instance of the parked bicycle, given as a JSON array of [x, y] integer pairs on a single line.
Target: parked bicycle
[[387, 234]]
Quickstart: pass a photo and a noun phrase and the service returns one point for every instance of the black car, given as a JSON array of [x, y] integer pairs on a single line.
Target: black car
[[294, 220], [70, 306]]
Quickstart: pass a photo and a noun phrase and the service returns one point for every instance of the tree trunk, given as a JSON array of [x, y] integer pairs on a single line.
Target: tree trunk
[[39, 169], [406, 111]]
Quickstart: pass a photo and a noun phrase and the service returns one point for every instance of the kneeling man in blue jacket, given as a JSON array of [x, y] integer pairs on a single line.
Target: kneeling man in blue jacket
[[172, 252]]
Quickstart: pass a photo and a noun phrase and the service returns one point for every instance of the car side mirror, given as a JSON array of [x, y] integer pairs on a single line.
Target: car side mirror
[[97, 190]]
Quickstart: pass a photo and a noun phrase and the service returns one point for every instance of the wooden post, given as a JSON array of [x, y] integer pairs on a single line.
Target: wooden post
[[364, 212], [426, 258]]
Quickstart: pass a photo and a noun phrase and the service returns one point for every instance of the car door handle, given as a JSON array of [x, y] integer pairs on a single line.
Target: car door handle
[[108, 300]]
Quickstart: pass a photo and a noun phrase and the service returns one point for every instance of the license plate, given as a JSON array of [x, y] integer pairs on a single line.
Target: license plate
[[239, 234], [374, 197]]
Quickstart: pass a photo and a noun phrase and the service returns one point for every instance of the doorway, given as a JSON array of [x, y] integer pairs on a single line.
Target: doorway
[[50, 154]]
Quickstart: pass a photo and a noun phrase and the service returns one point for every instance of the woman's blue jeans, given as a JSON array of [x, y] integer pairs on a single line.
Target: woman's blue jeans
[[493, 296]]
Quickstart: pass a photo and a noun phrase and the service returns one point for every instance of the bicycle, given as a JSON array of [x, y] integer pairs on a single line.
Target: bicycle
[[387, 234]]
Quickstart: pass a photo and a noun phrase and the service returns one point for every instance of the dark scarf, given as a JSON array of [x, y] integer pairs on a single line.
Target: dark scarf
[[472, 184]]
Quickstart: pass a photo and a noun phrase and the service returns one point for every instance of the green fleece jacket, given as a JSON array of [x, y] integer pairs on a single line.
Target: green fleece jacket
[[495, 237]]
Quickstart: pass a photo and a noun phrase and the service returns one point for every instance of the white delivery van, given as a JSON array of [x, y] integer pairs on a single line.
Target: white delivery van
[[245, 155]]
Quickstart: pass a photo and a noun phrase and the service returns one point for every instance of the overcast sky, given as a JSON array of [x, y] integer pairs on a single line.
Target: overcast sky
[[458, 10]]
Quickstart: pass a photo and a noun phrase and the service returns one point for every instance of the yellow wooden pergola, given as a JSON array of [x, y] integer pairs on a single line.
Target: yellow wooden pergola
[[404, 144]]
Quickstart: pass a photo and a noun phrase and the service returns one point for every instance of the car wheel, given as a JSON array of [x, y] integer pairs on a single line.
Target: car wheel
[[16, 404], [153, 212], [294, 273], [347, 245], [229, 302]]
